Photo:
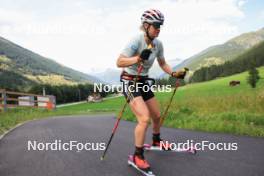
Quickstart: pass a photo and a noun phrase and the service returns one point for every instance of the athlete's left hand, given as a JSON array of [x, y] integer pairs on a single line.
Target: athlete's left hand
[[180, 74]]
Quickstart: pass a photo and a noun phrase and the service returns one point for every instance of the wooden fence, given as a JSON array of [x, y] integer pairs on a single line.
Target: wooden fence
[[9, 99]]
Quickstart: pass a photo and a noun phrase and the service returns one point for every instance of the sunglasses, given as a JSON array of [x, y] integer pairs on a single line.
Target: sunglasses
[[156, 25]]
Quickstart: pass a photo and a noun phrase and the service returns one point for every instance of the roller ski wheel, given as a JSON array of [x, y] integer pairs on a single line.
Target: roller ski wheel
[[149, 147]]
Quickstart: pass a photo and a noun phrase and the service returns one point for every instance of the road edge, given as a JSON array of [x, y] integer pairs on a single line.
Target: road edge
[[13, 128]]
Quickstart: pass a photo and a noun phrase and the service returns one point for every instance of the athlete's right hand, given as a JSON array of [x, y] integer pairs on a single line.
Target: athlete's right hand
[[144, 55]]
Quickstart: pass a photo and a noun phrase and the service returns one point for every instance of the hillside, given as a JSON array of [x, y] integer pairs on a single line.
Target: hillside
[[228, 51], [31, 66], [252, 57]]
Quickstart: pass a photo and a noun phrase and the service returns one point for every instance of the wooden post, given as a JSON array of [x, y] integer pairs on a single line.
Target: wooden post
[[51, 104], [4, 100], [54, 102]]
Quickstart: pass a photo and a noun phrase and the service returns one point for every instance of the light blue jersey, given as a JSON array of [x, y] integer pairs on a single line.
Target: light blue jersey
[[135, 47]]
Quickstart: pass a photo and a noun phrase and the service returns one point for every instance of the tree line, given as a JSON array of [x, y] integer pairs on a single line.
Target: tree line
[[252, 58], [66, 93], [168, 81]]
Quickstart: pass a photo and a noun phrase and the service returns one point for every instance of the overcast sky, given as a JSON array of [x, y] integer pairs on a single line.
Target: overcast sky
[[88, 35]]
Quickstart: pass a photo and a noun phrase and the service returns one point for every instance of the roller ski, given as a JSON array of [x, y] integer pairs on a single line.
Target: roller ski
[[140, 164], [157, 146]]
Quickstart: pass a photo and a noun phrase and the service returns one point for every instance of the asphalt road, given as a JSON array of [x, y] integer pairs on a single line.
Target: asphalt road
[[17, 160]]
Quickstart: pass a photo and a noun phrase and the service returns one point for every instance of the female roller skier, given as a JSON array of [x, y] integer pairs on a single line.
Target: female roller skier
[[143, 103]]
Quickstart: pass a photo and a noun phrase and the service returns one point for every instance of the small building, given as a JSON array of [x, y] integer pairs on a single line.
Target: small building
[[94, 98]]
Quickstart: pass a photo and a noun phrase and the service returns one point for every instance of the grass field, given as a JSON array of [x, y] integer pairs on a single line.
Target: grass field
[[215, 107], [210, 106]]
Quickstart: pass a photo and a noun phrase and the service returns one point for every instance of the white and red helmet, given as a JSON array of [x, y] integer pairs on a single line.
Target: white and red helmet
[[152, 16]]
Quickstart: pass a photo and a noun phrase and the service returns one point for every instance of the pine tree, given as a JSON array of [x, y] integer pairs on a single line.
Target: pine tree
[[253, 77]]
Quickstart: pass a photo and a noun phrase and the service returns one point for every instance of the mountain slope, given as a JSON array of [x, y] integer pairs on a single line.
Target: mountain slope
[[13, 81], [31, 65], [218, 54], [252, 57]]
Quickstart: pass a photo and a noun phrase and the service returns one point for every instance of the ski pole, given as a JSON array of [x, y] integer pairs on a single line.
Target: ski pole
[[171, 98], [119, 117], [140, 68], [168, 106]]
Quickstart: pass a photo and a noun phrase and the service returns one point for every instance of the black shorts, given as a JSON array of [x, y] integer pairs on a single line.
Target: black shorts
[[142, 88]]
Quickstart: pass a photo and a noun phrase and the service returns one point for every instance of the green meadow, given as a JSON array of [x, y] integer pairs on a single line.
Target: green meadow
[[211, 106]]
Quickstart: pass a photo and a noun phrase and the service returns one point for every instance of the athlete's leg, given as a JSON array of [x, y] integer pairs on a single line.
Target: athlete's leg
[[140, 109], [153, 107]]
